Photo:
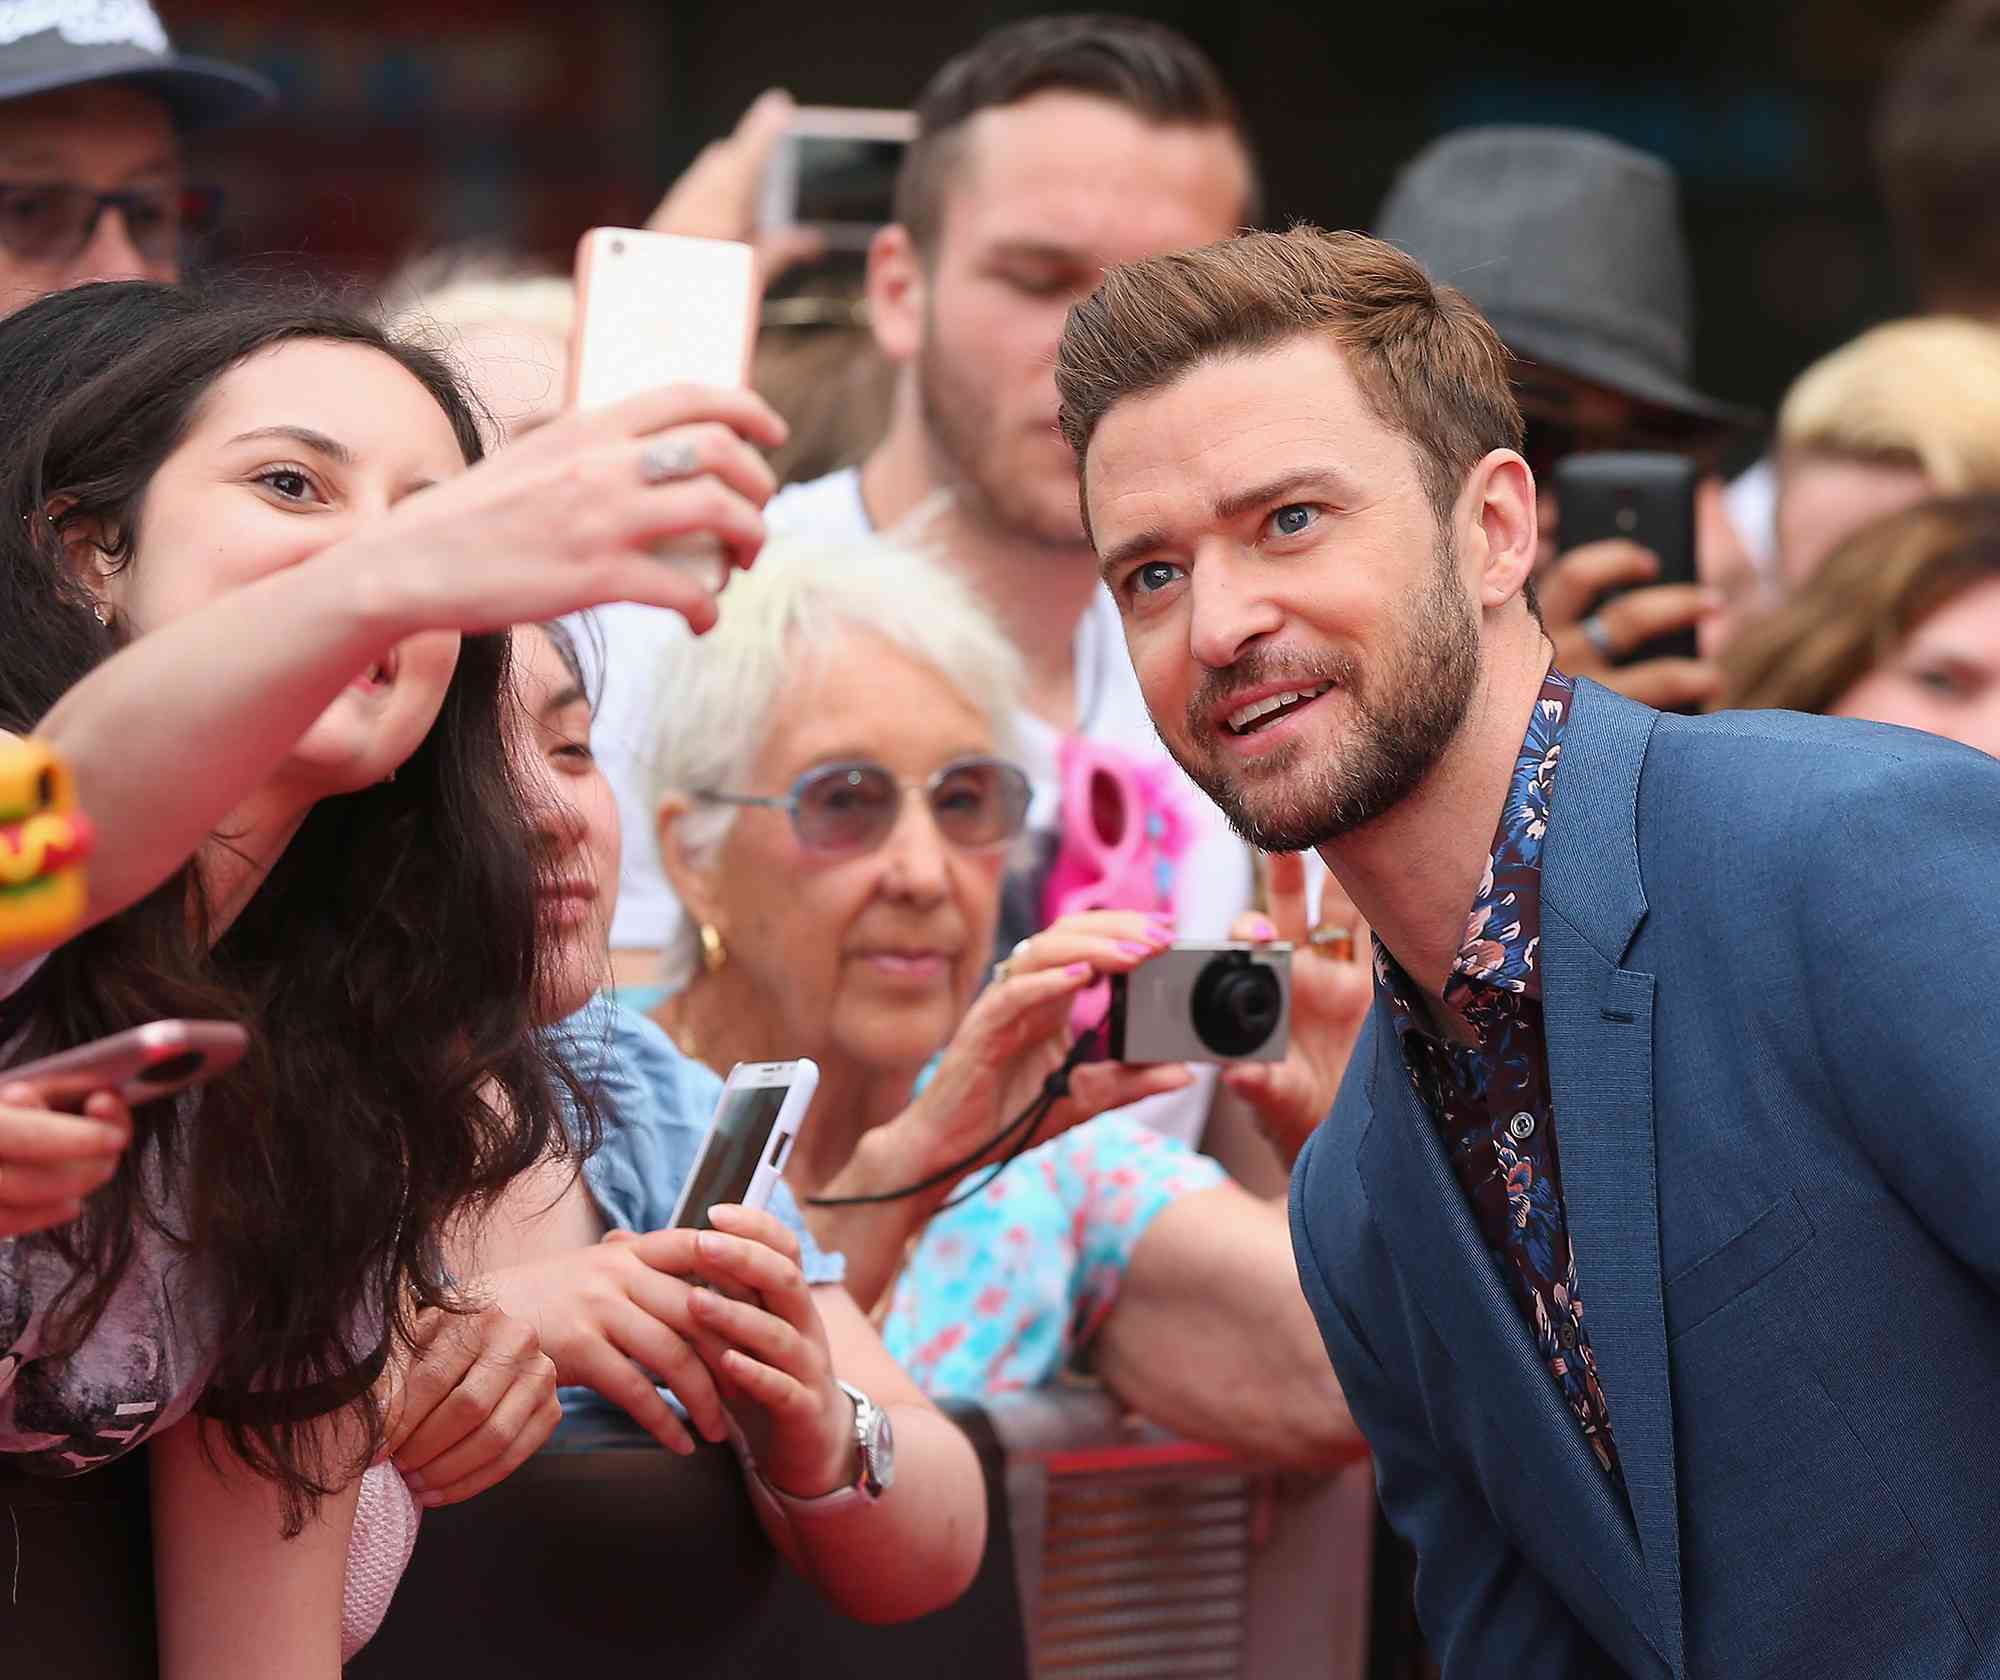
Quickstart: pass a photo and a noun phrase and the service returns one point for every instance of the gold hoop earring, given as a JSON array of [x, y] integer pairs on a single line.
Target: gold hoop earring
[[713, 956]]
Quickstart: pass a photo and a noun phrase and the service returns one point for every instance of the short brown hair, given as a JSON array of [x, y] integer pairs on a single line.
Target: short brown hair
[[1937, 152], [1427, 362], [1153, 71], [1866, 598]]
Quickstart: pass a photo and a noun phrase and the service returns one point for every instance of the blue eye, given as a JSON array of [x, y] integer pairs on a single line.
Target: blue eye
[[1292, 520]]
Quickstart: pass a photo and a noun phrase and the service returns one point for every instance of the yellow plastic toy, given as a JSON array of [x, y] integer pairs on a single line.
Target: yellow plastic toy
[[44, 839]]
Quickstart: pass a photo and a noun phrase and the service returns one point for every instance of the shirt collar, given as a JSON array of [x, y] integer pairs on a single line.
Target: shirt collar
[[1498, 955]]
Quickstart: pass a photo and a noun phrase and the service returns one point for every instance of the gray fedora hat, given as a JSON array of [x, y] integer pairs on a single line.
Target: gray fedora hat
[[1570, 244], [48, 45]]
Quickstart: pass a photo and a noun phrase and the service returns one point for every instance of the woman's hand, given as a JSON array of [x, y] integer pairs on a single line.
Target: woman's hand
[[50, 1161], [468, 1404], [1018, 1032], [570, 517], [768, 1350], [614, 1317], [1332, 987]]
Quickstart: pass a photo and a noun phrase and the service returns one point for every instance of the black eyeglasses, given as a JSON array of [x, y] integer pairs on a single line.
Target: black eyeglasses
[[51, 221], [977, 803]]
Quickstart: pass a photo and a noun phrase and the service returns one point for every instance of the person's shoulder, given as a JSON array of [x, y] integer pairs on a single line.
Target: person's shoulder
[[829, 506], [1790, 765], [643, 1047]]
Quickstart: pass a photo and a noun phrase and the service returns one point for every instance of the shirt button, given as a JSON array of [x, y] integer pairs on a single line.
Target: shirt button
[[1522, 1126]]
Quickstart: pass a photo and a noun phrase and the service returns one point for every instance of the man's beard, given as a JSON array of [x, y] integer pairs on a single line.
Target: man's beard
[[970, 453], [1402, 716]]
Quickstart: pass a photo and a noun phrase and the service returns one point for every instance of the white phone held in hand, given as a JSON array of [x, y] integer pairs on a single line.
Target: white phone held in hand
[[763, 1105], [657, 309]]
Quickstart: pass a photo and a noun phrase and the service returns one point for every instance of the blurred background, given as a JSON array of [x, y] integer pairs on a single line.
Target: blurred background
[[423, 121]]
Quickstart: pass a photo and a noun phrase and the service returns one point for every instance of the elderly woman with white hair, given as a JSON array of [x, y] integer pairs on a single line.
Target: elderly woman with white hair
[[836, 806]]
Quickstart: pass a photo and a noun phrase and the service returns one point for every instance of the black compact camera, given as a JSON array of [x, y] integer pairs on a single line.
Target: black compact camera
[[1228, 1002]]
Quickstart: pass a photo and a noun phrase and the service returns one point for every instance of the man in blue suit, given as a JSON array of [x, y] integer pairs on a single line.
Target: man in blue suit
[[1655, 1231]]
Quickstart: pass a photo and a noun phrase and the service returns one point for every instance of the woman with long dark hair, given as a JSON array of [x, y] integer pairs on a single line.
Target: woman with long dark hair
[[237, 595]]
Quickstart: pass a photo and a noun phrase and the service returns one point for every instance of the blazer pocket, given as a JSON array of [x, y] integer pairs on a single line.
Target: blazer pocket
[[1702, 1290]]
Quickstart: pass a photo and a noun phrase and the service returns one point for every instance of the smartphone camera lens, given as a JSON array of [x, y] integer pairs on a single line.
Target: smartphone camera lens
[[1236, 1004], [172, 1069], [618, 247]]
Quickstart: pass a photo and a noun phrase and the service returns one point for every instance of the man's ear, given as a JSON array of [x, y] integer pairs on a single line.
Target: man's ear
[[898, 290], [690, 885], [1500, 501]]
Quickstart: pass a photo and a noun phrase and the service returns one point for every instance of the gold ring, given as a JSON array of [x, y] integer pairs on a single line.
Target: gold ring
[[1004, 968], [1334, 940]]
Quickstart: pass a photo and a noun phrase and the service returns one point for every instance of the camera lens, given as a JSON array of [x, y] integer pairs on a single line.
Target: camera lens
[[1236, 1004]]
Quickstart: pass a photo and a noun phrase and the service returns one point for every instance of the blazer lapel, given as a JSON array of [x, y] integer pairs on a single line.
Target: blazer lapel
[[1421, 1211], [1599, 1020]]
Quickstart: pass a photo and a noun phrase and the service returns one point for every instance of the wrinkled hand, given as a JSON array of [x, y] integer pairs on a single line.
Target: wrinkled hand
[[564, 519], [1331, 993], [50, 1160], [614, 1317], [1571, 587], [769, 1352], [1017, 1033], [717, 197], [467, 1404]]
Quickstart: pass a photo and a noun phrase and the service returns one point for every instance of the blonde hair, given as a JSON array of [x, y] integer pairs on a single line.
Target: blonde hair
[[718, 694], [1865, 599], [446, 294], [1428, 363], [1923, 392]]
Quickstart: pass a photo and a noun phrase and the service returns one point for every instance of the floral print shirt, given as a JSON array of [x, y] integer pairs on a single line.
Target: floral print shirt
[[1491, 1099], [1005, 1291]]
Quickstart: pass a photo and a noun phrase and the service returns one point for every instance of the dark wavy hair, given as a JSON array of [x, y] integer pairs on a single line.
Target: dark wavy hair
[[386, 966]]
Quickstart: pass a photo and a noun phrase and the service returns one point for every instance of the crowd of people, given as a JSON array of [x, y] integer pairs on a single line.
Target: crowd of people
[[1105, 576]]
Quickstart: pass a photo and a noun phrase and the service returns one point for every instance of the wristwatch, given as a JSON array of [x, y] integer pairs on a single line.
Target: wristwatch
[[876, 1442]]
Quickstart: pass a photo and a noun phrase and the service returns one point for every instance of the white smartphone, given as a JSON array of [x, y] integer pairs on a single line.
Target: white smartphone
[[743, 1157], [835, 172], [141, 1065], [658, 309]]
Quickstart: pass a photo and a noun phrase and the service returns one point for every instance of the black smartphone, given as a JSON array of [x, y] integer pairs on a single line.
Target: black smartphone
[[1645, 498]]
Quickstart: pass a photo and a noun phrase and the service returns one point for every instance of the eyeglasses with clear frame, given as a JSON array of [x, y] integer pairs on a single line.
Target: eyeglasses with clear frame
[[978, 804]]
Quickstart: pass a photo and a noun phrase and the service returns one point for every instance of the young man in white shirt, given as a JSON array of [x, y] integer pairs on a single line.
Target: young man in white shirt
[[1050, 151]]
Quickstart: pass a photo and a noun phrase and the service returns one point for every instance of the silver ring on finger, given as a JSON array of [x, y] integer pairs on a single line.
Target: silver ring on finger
[[666, 459], [1598, 634], [1004, 968]]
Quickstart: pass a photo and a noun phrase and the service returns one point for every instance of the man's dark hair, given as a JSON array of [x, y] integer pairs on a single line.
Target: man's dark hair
[[1937, 151], [1154, 71]]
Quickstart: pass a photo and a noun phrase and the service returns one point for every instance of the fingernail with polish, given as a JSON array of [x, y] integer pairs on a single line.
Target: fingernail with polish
[[430, 1501], [1263, 928], [1132, 950], [414, 1481], [1077, 970]]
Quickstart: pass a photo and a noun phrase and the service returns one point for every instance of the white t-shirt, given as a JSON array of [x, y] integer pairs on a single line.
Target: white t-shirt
[[1215, 878]]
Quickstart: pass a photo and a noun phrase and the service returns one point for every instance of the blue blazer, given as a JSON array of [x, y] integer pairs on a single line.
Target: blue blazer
[[1768, 954]]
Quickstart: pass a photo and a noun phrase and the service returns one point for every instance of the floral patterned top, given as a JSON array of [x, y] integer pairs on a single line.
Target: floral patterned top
[[1491, 1099], [1006, 1290]]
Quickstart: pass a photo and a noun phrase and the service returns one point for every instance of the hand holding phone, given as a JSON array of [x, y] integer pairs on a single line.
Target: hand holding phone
[[50, 1160], [1646, 499], [655, 309], [142, 1065]]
